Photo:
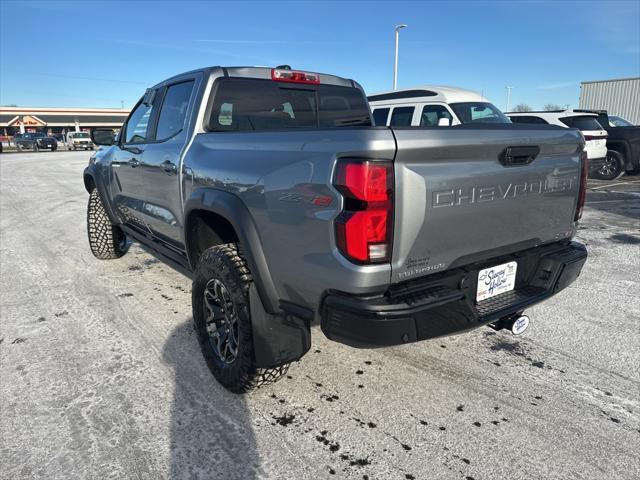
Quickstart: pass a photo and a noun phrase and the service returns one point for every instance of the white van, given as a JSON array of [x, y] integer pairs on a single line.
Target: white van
[[433, 106], [78, 140]]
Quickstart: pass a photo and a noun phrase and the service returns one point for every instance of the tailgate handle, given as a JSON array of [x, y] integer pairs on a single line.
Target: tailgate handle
[[517, 156]]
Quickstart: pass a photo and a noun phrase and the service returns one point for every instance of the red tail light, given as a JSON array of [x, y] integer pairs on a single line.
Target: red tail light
[[294, 76], [582, 194], [364, 230]]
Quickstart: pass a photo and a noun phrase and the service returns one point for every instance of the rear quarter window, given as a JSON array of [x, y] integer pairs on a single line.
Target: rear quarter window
[[528, 119], [255, 105], [582, 123]]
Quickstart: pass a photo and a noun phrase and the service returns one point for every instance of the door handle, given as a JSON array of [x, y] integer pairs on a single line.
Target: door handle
[[519, 155], [134, 162], [169, 167]]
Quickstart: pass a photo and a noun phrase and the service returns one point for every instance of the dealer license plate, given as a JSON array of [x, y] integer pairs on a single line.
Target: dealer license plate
[[496, 280]]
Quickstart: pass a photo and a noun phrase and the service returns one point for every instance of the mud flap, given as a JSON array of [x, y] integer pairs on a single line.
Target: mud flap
[[277, 339]]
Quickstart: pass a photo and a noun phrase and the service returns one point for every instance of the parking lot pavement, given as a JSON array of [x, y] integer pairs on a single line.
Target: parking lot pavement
[[624, 187], [101, 376]]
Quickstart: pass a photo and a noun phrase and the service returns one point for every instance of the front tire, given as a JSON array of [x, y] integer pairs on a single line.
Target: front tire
[[222, 318], [106, 240], [613, 167]]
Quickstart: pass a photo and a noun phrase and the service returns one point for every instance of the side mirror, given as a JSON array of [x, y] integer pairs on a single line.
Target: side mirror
[[103, 136], [444, 122]]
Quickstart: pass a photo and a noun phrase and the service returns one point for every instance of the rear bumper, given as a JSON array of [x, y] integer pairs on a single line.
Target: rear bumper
[[444, 304]]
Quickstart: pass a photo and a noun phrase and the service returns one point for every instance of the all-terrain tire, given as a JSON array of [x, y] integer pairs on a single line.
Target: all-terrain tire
[[107, 241], [225, 264], [613, 168]]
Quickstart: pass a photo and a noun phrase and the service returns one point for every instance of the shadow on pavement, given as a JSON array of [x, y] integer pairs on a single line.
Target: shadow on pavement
[[624, 204], [211, 429]]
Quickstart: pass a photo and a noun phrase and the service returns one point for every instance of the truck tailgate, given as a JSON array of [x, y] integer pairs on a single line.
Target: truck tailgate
[[460, 199]]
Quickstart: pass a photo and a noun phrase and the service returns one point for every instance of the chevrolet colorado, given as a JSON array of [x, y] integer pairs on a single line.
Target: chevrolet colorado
[[274, 192]]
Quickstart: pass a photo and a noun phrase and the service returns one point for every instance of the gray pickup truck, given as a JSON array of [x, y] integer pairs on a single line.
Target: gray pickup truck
[[274, 192]]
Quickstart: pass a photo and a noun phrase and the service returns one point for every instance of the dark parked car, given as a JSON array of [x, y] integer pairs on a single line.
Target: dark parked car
[[35, 141], [623, 145]]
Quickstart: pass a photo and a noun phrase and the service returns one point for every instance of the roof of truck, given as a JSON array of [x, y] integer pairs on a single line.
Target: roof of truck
[[429, 93], [553, 114], [260, 72]]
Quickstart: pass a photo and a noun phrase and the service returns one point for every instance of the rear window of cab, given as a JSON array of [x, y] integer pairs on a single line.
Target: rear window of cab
[[243, 104]]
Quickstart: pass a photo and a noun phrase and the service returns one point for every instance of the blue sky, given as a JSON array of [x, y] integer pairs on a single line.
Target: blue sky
[[104, 54]]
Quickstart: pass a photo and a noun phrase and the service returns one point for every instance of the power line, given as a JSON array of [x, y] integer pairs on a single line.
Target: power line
[[113, 80]]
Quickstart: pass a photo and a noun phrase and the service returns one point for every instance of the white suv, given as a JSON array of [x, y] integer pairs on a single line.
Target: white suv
[[433, 106], [594, 134]]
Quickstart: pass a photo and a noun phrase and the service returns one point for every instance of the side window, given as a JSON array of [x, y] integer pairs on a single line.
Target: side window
[[174, 110], [529, 119], [380, 116], [432, 113], [401, 117], [582, 123], [481, 112], [138, 124]]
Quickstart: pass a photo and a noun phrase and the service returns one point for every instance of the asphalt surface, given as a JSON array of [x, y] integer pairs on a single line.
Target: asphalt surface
[[101, 376]]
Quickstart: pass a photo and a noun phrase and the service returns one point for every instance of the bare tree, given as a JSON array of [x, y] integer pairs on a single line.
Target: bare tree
[[551, 106], [522, 107]]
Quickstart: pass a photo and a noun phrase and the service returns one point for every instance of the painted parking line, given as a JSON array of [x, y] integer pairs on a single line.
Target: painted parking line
[[613, 185], [619, 200]]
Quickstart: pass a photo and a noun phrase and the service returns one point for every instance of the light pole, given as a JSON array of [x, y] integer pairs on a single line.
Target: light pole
[[508, 97], [395, 63]]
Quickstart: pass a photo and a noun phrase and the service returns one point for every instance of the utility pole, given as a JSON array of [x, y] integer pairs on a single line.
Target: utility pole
[[395, 63], [508, 98]]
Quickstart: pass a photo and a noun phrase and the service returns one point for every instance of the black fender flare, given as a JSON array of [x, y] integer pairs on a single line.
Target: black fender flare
[[91, 175], [232, 208], [622, 146]]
